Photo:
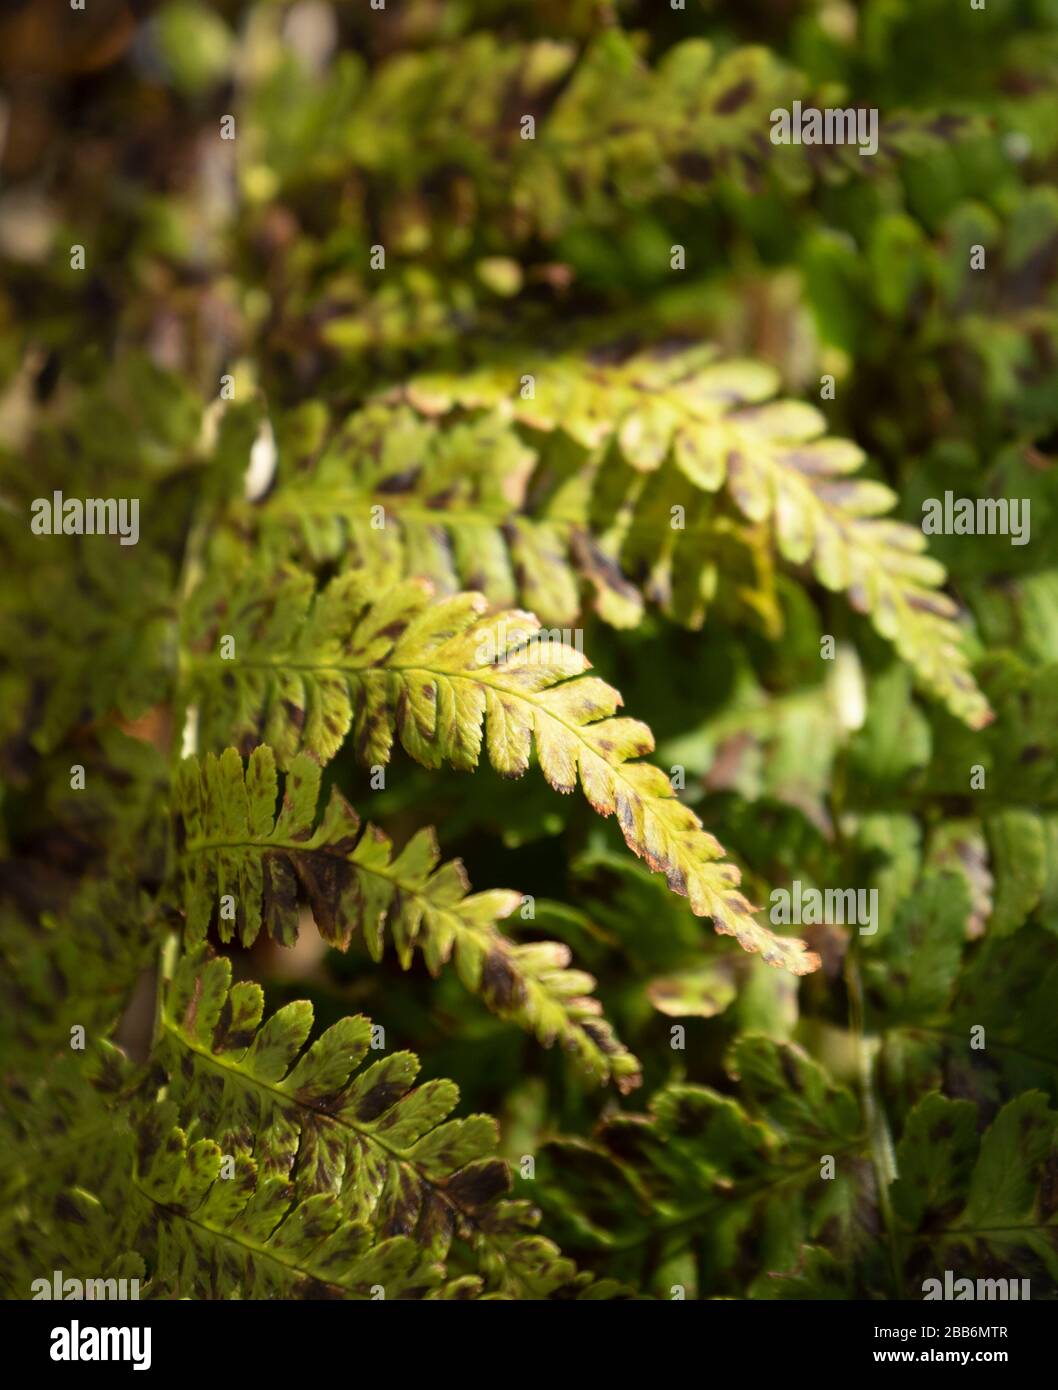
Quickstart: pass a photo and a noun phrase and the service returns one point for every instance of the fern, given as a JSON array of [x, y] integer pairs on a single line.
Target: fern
[[721, 429], [380, 1150], [443, 677], [477, 340], [211, 1232], [375, 1139], [325, 1182], [705, 1176], [229, 842], [664, 432], [95, 639], [950, 1177]]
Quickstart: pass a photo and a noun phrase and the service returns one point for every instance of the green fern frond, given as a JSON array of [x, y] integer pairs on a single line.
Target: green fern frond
[[208, 1233], [472, 505], [323, 1181], [445, 678], [232, 842], [705, 1178], [613, 132], [970, 1207], [95, 635], [77, 929], [78, 1088], [980, 1200], [380, 1145], [381, 1149], [209, 1221]]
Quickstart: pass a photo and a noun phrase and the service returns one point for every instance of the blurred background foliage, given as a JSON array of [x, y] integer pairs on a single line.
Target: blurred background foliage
[[399, 128]]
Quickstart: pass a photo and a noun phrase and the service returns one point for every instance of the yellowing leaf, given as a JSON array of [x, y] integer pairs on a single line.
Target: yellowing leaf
[[451, 675]]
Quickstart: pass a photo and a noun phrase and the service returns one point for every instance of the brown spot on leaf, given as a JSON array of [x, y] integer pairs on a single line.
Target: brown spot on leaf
[[327, 880], [278, 896], [478, 1184], [399, 482], [696, 167], [379, 1099], [676, 879], [734, 98], [501, 986]]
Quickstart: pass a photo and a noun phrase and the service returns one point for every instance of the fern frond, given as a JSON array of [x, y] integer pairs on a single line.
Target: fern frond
[[443, 678], [981, 1200], [321, 1180], [381, 1146], [705, 1178], [614, 133], [231, 841], [381, 1149], [967, 1200], [463, 507], [209, 1234], [716, 422], [76, 928], [582, 482]]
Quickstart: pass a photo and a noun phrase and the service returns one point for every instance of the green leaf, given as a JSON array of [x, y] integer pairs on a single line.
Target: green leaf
[[934, 1159], [1016, 841], [911, 975]]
